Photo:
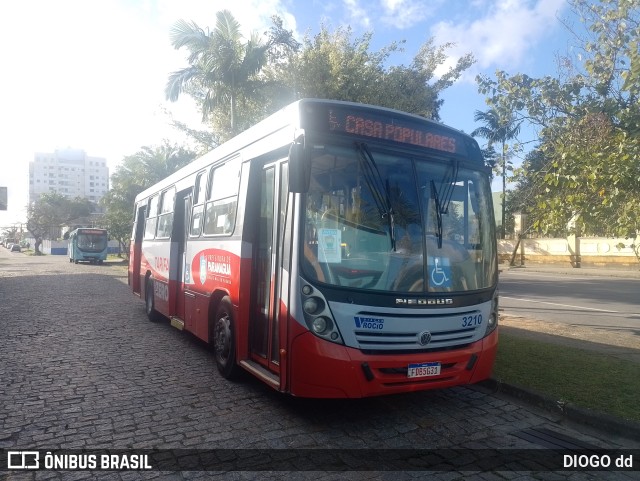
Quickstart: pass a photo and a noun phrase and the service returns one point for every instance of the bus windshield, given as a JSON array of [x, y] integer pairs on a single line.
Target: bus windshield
[[373, 217], [92, 241]]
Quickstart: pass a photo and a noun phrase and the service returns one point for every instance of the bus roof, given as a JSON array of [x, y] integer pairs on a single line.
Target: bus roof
[[282, 127], [284, 122]]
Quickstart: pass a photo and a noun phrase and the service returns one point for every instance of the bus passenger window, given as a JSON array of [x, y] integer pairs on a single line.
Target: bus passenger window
[[196, 220], [165, 219], [220, 216], [220, 209], [152, 220], [201, 188], [199, 192]]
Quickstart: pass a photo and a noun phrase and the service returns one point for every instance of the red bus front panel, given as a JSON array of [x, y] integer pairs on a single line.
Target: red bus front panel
[[324, 369]]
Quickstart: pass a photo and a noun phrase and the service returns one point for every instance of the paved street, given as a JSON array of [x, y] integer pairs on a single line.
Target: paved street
[[82, 368], [579, 297]]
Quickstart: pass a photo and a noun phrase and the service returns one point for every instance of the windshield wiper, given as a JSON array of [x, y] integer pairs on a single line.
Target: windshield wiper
[[449, 181], [379, 189], [436, 200], [442, 205]]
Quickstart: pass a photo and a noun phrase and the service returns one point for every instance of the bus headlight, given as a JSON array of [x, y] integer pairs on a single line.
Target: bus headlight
[[321, 324], [313, 305], [492, 323], [317, 314]]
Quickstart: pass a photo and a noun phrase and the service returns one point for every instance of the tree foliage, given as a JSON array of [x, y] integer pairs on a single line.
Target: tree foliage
[[499, 128], [137, 172], [335, 65], [238, 82], [588, 122], [223, 72], [50, 212]]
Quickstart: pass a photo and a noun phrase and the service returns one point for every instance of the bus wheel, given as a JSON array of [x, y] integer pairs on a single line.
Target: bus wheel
[[223, 340], [149, 303]]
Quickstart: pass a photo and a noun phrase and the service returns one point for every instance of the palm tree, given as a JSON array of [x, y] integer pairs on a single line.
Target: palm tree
[[498, 129], [222, 67]]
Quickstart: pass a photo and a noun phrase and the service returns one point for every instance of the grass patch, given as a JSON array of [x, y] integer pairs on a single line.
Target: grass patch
[[584, 378]]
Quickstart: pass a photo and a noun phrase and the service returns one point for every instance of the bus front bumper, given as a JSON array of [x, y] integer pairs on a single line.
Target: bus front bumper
[[322, 369]]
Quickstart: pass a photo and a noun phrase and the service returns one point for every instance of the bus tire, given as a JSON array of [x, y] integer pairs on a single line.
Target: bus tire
[[149, 301], [223, 340]]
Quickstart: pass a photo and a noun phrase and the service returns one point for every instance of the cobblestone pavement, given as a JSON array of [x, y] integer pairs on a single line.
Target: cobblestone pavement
[[82, 368]]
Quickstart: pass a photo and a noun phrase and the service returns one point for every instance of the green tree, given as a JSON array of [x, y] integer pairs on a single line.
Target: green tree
[[50, 212], [595, 175], [588, 123], [522, 198], [335, 65], [491, 158], [223, 69], [135, 173], [499, 128]]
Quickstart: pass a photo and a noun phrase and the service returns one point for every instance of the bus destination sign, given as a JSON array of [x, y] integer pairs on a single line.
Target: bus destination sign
[[360, 122]]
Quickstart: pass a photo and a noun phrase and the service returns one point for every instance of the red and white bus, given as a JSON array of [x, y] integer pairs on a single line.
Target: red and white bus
[[332, 250]]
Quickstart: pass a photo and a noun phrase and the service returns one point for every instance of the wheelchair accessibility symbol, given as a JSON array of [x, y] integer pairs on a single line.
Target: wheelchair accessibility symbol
[[439, 271]]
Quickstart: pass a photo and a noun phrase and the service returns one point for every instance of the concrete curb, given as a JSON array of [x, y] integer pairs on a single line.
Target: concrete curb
[[626, 273], [604, 422]]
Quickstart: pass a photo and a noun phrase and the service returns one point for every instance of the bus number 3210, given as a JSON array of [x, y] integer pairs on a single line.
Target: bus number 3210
[[471, 321]]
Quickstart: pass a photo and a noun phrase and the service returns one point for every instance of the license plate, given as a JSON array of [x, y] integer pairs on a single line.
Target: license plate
[[425, 369]]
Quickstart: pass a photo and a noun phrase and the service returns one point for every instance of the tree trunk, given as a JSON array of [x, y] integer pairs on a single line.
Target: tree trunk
[[504, 192]]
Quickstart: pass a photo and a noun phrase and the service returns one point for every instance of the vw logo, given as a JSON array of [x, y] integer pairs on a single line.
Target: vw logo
[[424, 338]]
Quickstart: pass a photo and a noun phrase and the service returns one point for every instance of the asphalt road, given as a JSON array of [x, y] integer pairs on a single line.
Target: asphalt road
[[82, 369], [600, 301]]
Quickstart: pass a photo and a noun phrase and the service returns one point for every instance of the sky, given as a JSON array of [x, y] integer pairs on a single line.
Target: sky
[[90, 75]]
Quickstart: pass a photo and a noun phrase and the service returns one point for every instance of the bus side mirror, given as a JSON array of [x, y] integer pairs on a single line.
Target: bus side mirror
[[298, 170]]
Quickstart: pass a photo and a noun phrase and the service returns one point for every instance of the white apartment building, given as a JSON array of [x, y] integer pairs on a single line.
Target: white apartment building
[[70, 172]]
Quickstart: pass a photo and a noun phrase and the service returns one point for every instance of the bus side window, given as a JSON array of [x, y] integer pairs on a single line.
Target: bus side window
[[152, 220], [165, 218], [135, 223], [199, 194], [220, 208]]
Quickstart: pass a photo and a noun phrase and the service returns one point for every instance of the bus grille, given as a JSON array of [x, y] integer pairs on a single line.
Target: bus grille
[[408, 340], [376, 352]]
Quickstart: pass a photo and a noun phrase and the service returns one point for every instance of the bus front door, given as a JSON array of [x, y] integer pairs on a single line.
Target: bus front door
[[181, 228], [136, 250], [265, 321]]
